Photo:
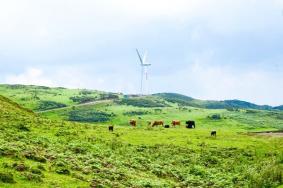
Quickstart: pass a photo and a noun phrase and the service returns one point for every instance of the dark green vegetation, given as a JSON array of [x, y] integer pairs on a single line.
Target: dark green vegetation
[[49, 105], [188, 101], [89, 116], [148, 102], [41, 98], [41, 150]]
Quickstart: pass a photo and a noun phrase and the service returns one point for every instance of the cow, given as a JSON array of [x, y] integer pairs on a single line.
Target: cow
[[176, 122], [190, 124], [156, 123], [167, 126], [213, 133], [111, 128], [133, 123]]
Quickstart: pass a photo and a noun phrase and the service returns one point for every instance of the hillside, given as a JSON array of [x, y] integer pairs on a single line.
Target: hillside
[[40, 98], [188, 101], [41, 152], [38, 152], [279, 107]]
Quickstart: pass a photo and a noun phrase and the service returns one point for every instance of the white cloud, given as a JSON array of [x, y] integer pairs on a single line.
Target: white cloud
[[215, 82], [32, 76], [73, 43]]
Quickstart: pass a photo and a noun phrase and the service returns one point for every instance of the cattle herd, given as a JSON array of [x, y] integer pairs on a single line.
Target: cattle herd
[[189, 124]]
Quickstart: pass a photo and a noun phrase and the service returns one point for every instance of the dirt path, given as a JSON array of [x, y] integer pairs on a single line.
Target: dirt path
[[78, 105], [269, 133]]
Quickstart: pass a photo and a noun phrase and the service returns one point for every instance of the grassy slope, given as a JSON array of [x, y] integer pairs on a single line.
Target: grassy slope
[[30, 96], [90, 155], [137, 157], [140, 157]]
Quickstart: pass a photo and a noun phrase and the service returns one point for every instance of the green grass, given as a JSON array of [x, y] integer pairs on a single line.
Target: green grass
[[32, 97], [45, 150]]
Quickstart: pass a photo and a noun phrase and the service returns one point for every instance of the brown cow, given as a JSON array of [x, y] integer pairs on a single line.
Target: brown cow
[[133, 123], [176, 122], [156, 123]]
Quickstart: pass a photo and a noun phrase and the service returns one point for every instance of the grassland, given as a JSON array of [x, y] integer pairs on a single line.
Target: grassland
[[34, 97], [47, 150]]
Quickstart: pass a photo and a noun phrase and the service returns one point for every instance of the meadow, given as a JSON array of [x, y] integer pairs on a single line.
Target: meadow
[[48, 149]]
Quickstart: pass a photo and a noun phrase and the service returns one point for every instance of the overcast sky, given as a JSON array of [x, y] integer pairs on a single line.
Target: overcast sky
[[207, 49]]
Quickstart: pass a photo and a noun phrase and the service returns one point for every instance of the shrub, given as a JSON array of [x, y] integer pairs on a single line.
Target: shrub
[[33, 177], [6, 177], [135, 113], [215, 117], [89, 116], [143, 102], [33, 156], [36, 171], [63, 170], [49, 105], [20, 167], [107, 96], [83, 99], [23, 127]]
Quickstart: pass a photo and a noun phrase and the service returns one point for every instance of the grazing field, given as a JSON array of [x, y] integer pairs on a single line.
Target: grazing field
[[72, 147], [40, 98]]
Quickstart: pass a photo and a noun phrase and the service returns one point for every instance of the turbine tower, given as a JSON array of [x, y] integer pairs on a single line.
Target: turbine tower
[[144, 72]]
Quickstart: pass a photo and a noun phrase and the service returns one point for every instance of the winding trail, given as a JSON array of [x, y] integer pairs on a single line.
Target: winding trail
[[77, 105]]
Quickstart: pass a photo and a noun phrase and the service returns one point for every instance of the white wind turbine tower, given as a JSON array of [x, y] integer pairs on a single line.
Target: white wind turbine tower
[[144, 72]]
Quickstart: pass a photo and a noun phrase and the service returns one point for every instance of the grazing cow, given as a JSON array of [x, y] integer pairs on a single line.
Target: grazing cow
[[176, 122], [213, 133], [190, 124], [167, 126], [111, 128], [156, 123], [133, 123]]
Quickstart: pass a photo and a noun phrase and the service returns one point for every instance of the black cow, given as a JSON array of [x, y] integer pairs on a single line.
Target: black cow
[[167, 126], [190, 124], [213, 133], [111, 128]]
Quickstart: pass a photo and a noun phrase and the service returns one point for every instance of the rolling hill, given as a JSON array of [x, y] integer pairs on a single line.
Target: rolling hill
[[40, 152], [188, 101], [41, 98]]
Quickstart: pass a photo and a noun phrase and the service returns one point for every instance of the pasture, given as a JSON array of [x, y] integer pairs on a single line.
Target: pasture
[[49, 149]]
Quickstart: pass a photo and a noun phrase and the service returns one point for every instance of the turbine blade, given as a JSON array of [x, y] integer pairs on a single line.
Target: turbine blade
[[140, 58]]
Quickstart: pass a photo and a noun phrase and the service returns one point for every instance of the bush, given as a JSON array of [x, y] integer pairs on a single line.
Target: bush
[[215, 117], [33, 156], [83, 99], [85, 92], [23, 127], [6, 177], [20, 167], [33, 177], [143, 102], [89, 116], [63, 170], [108, 96], [135, 113], [49, 105]]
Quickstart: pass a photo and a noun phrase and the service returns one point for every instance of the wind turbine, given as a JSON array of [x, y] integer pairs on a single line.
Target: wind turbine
[[144, 70]]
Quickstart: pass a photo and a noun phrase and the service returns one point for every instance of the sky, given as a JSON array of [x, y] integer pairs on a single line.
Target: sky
[[206, 49]]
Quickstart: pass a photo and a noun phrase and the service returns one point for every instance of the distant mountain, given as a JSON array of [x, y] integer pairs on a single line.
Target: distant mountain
[[278, 107], [210, 104], [40, 98]]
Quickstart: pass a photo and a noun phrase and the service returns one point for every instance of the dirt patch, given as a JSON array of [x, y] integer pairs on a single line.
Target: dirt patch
[[268, 133]]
